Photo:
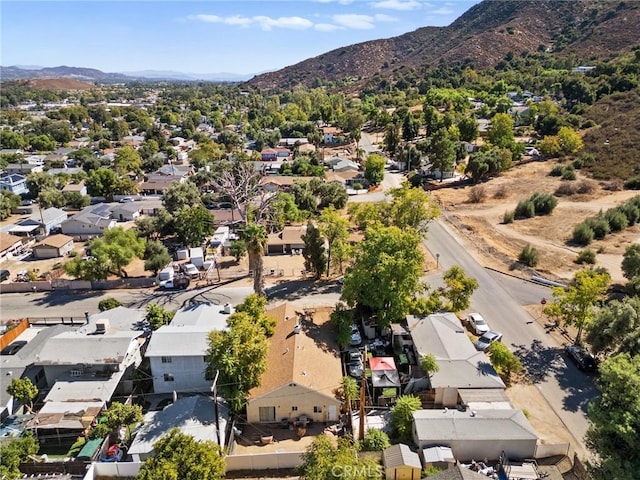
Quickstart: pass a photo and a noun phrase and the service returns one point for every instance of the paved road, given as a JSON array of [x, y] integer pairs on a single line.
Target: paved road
[[74, 304], [567, 389], [391, 180]]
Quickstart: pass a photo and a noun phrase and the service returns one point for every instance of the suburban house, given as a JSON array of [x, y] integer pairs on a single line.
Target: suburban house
[[196, 415], [84, 369], [9, 245], [90, 221], [268, 154], [22, 168], [306, 148], [330, 134], [341, 164], [400, 463], [53, 246], [289, 239], [464, 374], [126, 212], [281, 182], [156, 183], [476, 434], [177, 352], [303, 370], [14, 183], [42, 222], [80, 187], [291, 142]]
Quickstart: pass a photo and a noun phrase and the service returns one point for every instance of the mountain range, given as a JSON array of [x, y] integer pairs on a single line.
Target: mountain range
[[489, 32], [20, 72]]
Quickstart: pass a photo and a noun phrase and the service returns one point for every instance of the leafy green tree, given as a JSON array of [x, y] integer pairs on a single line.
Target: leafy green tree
[[51, 197], [324, 460], [157, 316], [254, 306], [374, 168], [38, 181], [239, 354], [119, 414], [501, 130], [576, 305], [570, 140], [615, 419], [238, 249], [282, 210], [193, 224], [108, 304], [334, 228], [330, 194], [255, 236], [386, 273], [504, 360], [42, 143], [315, 255], [75, 200], [631, 261], [24, 391], [459, 289], [392, 138], [127, 160], [468, 127], [616, 328], [341, 320], [410, 208], [441, 151], [15, 451], [12, 140], [109, 254], [156, 256], [102, 182], [179, 456], [402, 416], [429, 364], [8, 201], [375, 440], [349, 390], [181, 195]]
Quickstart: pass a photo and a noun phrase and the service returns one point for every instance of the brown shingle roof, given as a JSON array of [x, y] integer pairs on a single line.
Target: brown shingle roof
[[308, 358], [56, 241], [7, 241]]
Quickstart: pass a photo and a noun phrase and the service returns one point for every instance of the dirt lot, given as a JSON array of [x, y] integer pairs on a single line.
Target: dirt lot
[[499, 244]]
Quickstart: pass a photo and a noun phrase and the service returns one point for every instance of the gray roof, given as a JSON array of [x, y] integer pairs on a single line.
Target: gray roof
[[99, 214], [458, 473], [440, 334], [73, 348], [120, 318], [473, 372], [89, 386], [205, 315], [193, 415], [438, 426], [400, 455], [186, 341], [49, 215]]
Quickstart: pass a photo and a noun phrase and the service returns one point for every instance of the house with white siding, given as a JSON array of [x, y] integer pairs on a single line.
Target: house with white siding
[[177, 352]]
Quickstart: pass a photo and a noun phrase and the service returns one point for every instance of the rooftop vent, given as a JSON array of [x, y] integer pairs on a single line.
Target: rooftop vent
[[102, 325], [297, 328], [227, 308]]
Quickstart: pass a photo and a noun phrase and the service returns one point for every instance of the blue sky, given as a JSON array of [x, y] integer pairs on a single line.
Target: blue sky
[[240, 36]]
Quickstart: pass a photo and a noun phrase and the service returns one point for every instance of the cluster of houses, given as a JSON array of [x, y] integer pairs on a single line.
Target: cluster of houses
[[81, 369]]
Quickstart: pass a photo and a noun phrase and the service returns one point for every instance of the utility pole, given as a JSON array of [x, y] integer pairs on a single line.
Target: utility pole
[[214, 389], [362, 397]]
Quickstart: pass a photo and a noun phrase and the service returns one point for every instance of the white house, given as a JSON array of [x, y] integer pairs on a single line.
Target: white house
[[92, 220], [14, 183], [177, 352]]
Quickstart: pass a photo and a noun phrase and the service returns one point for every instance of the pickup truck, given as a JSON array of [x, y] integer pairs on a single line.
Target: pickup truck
[[175, 283]]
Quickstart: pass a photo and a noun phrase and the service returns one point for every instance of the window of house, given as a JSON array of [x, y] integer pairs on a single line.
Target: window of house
[[267, 414], [294, 408], [168, 377], [317, 409], [166, 359]]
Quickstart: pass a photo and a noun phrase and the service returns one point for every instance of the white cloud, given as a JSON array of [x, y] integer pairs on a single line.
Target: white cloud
[[443, 11], [361, 22], [397, 4], [341, 2], [264, 22], [326, 27]]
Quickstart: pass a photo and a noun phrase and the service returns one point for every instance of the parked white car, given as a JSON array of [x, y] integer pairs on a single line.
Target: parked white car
[[191, 270], [477, 323]]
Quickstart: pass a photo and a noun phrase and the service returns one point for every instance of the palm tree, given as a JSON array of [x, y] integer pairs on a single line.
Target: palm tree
[[255, 236]]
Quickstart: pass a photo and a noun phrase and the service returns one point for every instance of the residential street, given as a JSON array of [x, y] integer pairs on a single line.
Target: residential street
[[567, 389]]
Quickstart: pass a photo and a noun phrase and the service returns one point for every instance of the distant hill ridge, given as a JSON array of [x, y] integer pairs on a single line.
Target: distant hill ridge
[[481, 37]]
